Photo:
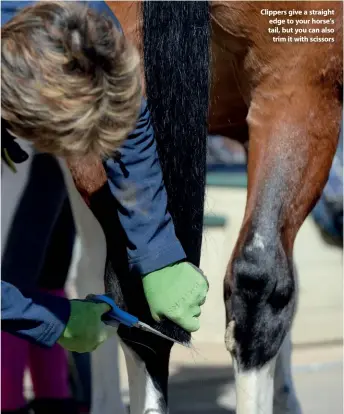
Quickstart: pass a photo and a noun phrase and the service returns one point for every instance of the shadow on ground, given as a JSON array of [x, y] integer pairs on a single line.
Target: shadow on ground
[[210, 389], [201, 389]]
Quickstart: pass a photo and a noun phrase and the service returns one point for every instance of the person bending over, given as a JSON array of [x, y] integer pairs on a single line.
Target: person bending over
[[71, 86]]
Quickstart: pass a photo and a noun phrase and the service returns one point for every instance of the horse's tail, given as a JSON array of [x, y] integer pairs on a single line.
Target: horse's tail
[[176, 57]]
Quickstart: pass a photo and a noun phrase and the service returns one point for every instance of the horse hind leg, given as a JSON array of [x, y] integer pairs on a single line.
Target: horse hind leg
[[147, 358], [292, 144], [147, 365], [147, 355], [285, 399]]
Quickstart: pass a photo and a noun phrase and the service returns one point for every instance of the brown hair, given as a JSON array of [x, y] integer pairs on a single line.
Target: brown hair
[[70, 80]]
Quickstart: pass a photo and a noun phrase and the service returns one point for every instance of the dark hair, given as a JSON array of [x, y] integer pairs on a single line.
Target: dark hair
[[177, 60]]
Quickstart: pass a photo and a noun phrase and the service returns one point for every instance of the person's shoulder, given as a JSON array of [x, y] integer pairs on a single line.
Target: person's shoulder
[[102, 7]]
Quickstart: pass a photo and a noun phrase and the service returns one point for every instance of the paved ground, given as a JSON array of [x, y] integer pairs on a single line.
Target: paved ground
[[320, 390], [202, 380], [200, 385]]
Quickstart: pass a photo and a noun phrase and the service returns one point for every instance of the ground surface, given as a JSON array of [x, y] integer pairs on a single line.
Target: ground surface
[[202, 382]]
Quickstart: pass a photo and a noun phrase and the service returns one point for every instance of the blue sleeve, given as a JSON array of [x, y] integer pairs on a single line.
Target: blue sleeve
[[136, 181], [137, 184], [39, 318], [102, 7]]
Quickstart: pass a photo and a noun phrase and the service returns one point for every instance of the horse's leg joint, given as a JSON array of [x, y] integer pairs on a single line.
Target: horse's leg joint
[[261, 303]]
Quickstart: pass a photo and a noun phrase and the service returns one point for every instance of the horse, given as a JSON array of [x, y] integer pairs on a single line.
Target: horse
[[215, 67]]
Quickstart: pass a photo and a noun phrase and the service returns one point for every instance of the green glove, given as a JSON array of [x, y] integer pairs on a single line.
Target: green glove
[[177, 292], [85, 330]]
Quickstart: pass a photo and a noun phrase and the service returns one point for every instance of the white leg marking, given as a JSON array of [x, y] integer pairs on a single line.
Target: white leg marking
[[106, 392], [254, 389], [258, 241], [144, 396]]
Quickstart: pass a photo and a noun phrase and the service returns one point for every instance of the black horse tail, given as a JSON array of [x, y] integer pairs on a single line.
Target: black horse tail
[[176, 58]]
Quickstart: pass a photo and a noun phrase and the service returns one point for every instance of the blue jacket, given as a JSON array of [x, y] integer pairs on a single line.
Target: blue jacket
[[152, 243]]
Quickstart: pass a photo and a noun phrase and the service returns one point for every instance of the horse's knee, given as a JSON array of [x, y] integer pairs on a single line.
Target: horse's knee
[[260, 299]]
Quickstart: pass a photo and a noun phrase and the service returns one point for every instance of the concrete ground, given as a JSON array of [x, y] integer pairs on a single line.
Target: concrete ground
[[202, 382]]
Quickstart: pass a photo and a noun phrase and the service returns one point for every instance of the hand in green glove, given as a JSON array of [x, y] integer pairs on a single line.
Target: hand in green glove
[[85, 330], [177, 292]]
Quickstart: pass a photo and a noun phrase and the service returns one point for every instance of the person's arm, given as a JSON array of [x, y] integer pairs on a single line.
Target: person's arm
[[136, 181], [36, 317], [137, 184], [173, 290], [45, 319]]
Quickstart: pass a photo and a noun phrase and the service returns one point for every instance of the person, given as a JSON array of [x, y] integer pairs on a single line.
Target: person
[[71, 86], [54, 92], [36, 202]]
